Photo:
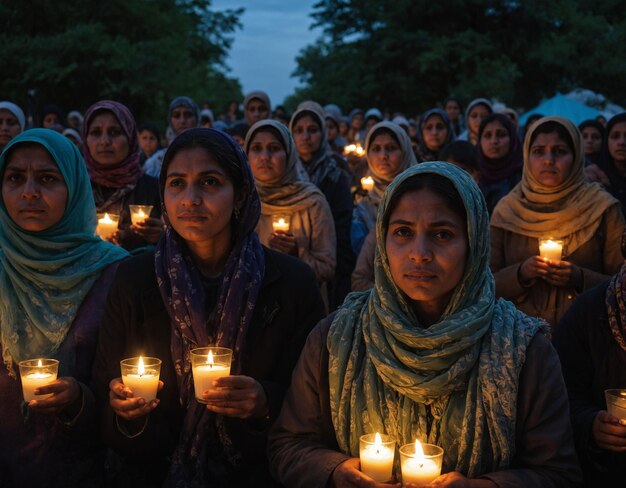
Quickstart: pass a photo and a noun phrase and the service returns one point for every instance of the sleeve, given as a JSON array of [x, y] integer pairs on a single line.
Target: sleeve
[[545, 455], [321, 256], [300, 451], [505, 274], [363, 274]]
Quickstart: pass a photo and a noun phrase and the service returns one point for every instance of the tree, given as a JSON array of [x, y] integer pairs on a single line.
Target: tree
[[409, 55], [140, 52]]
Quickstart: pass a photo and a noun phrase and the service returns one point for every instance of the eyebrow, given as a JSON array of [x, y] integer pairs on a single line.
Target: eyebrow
[[438, 223], [202, 173], [45, 169]]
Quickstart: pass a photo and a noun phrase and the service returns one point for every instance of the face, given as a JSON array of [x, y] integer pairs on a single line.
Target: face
[[495, 140], [199, 198], [9, 127], [357, 121], [476, 116], [434, 132], [183, 118], [427, 249], [592, 140], [148, 142], [307, 135], [106, 140], [617, 142], [49, 120], [256, 110], [453, 110], [331, 130], [550, 159], [268, 159], [385, 155], [33, 189]]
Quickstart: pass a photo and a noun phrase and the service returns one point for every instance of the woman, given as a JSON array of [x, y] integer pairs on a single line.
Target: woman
[[452, 106], [475, 112], [256, 106], [554, 201], [52, 116], [55, 274], [308, 128], [183, 114], [593, 134], [209, 282], [500, 158], [435, 133], [311, 234], [335, 141], [12, 122], [113, 157], [431, 354], [591, 342]]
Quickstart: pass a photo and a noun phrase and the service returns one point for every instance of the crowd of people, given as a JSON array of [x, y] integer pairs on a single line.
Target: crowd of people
[[371, 273]]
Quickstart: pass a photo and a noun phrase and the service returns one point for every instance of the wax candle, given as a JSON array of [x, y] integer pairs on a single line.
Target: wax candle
[[376, 455], [420, 463], [209, 364], [280, 224], [36, 373], [367, 183], [616, 403], [551, 249], [349, 149], [141, 375], [107, 225], [359, 151], [139, 213]]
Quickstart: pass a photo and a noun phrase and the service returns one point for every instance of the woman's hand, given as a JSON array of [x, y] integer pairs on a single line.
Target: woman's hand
[[347, 475], [608, 432], [534, 267], [65, 391], [237, 396], [125, 405], [455, 480], [564, 274], [284, 242], [150, 229]]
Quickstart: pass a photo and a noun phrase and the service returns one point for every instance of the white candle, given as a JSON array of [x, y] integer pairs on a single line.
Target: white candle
[[280, 224], [35, 374], [205, 374], [360, 152], [107, 226], [367, 183], [616, 404], [551, 249], [418, 468], [142, 381], [377, 458], [349, 149], [139, 213]]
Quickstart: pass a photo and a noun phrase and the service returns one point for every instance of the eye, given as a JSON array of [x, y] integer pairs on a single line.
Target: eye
[[209, 181], [95, 132], [403, 232], [443, 235], [49, 178], [13, 177], [175, 183]]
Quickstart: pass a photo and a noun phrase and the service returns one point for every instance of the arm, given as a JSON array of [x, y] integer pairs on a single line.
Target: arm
[[363, 275], [506, 274], [321, 255]]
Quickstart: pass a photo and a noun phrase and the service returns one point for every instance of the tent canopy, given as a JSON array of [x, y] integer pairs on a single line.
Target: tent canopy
[[564, 107]]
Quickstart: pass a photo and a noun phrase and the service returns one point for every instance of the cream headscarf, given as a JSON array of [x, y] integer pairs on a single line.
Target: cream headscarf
[[572, 211]]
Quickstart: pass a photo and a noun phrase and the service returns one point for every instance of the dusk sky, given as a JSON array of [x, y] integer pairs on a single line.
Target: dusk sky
[[263, 53]]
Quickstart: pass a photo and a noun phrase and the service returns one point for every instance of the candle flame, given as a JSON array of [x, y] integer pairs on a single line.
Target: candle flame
[[106, 219], [141, 370], [419, 452], [281, 221], [39, 365], [209, 358]]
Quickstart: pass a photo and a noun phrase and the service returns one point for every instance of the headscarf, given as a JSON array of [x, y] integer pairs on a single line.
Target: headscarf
[[386, 372], [45, 275], [425, 153], [16, 111], [259, 95], [494, 170], [473, 103], [289, 191], [183, 102], [180, 284], [124, 175], [572, 211]]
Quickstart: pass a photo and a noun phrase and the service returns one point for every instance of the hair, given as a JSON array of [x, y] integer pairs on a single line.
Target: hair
[[434, 182], [384, 130], [461, 152], [270, 130], [494, 117], [305, 113], [550, 127], [592, 123], [150, 128]]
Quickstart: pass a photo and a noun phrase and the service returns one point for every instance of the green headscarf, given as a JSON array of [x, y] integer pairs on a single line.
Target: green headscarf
[[45, 275], [386, 372]]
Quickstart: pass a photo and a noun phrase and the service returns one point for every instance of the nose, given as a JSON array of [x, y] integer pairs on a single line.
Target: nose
[[191, 197], [264, 155], [30, 190], [421, 251]]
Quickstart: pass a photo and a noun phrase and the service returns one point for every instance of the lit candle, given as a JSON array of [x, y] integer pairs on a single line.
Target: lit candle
[[209, 364], [36, 373], [420, 463], [139, 213], [349, 149], [616, 404], [367, 183], [376, 456], [280, 224], [360, 152], [107, 225], [550, 249], [142, 376]]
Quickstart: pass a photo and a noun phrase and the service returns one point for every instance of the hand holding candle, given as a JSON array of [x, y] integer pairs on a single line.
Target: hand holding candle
[[36, 373], [107, 225], [377, 453], [209, 364], [420, 463], [139, 213]]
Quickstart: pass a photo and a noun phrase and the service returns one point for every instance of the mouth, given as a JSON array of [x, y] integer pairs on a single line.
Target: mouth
[[191, 217], [420, 277], [31, 211]]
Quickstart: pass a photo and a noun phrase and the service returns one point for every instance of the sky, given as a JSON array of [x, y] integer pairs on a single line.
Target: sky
[[263, 53]]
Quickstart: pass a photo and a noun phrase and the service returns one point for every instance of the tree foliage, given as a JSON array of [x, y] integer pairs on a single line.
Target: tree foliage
[[410, 54], [140, 52]]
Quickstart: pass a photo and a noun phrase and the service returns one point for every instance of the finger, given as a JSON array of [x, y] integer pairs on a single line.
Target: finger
[[137, 412], [235, 381], [127, 404], [56, 387], [229, 411], [611, 439]]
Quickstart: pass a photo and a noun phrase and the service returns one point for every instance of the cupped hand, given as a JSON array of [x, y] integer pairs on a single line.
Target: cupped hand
[[284, 242], [563, 274], [150, 229], [608, 432], [534, 267], [125, 405], [237, 396], [348, 475], [65, 391]]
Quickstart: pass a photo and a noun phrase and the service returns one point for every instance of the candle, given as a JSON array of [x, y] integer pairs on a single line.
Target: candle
[[367, 183], [280, 224], [376, 454], [209, 364], [107, 225], [141, 375], [420, 463], [616, 404], [359, 151], [550, 249], [139, 213], [349, 149], [36, 373]]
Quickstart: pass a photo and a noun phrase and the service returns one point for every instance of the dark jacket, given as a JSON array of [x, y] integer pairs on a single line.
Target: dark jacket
[[136, 322], [592, 362]]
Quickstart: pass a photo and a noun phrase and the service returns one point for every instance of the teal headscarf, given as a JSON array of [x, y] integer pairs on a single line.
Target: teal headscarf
[[453, 384], [45, 275]]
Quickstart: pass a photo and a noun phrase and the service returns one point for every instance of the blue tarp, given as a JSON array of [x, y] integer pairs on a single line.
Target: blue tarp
[[564, 107]]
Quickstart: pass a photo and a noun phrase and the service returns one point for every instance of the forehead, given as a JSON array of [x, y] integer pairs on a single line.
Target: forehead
[[544, 138], [619, 127], [495, 125], [182, 109], [264, 136], [433, 119], [383, 138], [7, 114], [424, 206], [479, 109], [256, 103], [31, 155], [306, 120], [104, 118], [193, 161]]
